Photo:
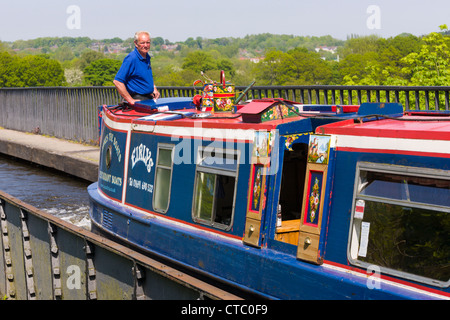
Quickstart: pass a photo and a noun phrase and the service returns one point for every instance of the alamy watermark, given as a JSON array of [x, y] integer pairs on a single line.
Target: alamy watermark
[[373, 279], [213, 142], [74, 19], [374, 19], [74, 278]]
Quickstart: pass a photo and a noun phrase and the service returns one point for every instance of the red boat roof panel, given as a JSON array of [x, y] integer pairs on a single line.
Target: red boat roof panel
[[256, 107]]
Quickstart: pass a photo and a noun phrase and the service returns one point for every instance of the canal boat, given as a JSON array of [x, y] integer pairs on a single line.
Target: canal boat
[[281, 199]]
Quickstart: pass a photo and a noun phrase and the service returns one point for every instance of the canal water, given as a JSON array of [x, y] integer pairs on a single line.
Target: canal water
[[61, 195]]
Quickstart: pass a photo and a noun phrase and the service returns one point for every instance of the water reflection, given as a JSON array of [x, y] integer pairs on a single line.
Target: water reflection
[[60, 195]]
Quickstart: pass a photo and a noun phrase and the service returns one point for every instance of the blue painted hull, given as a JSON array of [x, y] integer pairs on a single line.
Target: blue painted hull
[[269, 273], [124, 204]]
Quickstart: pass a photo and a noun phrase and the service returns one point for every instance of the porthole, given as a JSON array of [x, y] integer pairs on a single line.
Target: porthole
[[108, 156]]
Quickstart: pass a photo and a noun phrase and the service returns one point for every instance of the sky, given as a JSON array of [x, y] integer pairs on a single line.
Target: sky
[[177, 20]]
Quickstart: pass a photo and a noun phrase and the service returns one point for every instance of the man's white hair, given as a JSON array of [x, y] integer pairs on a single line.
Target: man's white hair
[[137, 34]]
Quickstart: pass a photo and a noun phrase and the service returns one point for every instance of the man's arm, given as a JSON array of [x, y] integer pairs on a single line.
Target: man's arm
[[124, 92]]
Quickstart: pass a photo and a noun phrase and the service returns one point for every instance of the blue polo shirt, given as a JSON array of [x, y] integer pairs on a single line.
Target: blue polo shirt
[[136, 73]]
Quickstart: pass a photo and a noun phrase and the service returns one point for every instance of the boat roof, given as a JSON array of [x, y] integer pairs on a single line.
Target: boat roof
[[368, 119], [254, 114], [181, 112]]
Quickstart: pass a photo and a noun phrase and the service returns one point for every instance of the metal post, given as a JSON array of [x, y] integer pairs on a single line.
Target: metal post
[[9, 274], [54, 261], [28, 257]]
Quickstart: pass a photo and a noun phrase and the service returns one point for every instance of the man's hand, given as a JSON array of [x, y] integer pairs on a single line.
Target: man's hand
[[132, 101], [156, 94]]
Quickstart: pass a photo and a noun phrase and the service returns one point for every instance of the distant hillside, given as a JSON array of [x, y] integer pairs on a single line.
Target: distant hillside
[[265, 58], [249, 46]]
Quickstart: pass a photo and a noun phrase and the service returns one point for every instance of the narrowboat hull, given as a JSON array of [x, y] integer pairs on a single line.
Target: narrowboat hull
[[267, 273], [239, 241]]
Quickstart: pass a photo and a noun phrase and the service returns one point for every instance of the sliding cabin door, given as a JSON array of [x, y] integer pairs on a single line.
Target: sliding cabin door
[[302, 195], [291, 193]]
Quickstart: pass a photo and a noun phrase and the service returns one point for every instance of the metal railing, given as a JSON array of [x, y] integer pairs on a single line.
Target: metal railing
[[45, 258], [71, 112], [62, 112], [412, 98]]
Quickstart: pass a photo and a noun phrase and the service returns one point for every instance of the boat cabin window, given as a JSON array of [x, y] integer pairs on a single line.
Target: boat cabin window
[[401, 222], [163, 178], [291, 193], [215, 187]]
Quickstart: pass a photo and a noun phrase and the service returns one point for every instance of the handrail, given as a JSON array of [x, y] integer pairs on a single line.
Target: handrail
[[432, 98], [45, 258]]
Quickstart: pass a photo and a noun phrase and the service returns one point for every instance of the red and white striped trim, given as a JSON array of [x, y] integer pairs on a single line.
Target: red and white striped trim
[[393, 145], [432, 293]]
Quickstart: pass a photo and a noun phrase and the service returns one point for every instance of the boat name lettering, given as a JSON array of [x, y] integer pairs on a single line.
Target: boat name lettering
[[142, 153], [107, 177], [112, 138]]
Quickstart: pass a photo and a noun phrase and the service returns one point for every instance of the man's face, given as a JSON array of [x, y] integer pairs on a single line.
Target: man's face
[[143, 44]]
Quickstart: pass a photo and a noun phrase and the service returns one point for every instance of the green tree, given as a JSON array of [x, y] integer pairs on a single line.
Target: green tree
[[199, 61], [297, 66], [87, 57], [227, 66], [191, 43], [403, 60], [101, 72], [157, 41], [64, 53], [177, 78], [40, 71], [354, 66], [30, 71], [306, 67], [360, 45], [431, 65], [7, 63], [268, 71]]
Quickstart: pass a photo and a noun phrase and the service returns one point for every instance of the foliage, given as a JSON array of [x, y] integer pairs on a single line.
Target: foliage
[[295, 66], [199, 61], [283, 60], [306, 66], [431, 65], [74, 77], [270, 71], [87, 57], [30, 71], [101, 72], [404, 60]]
